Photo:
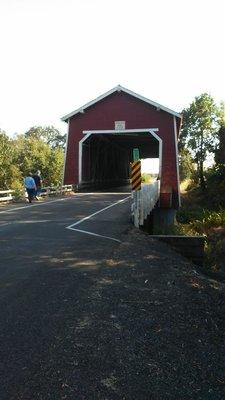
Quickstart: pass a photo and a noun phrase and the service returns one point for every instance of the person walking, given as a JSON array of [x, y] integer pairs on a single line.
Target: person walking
[[30, 187], [38, 183]]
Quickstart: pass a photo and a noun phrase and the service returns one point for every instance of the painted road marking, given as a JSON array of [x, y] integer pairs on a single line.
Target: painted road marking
[[32, 205], [54, 201], [71, 227], [94, 234]]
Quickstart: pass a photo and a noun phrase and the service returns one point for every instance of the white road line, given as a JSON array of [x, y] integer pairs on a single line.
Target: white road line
[[54, 201], [94, 234], [33, 205], [92, 215], [97, 212], [78, 222], [8, 223]]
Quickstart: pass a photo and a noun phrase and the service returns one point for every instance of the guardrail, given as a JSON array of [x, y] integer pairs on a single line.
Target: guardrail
[[6, 195], [9, 195], [144, 201]]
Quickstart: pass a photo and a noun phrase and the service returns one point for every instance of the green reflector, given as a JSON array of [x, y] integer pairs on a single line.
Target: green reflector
[[136, 155]]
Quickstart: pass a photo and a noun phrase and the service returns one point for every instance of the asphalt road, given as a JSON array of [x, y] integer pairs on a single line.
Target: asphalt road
[[45, 268], [94, 309]]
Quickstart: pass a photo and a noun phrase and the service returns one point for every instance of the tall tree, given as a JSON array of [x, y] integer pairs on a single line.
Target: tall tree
[[35, 154], [200, 123], [9, 170], [220, 150], [48, 134], [186, 164]]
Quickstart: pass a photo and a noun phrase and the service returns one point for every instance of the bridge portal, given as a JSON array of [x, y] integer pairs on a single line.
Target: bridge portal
[[102, 135]]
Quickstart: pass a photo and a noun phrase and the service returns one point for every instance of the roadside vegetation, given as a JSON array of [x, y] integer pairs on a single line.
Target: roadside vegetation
[[203, 187], [203, 213], [41, 148], [148, 178]]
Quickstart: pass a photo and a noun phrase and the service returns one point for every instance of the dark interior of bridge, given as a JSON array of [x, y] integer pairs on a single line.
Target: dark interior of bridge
[[106, 158]]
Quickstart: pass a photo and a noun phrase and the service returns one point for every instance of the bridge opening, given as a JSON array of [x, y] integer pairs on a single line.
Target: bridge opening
[[150, 167], [105, 157]]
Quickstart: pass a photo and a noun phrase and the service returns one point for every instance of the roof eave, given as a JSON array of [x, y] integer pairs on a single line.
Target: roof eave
[[119, 88]]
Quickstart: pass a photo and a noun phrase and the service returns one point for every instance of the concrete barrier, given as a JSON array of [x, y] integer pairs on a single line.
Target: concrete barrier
[[191, 247]]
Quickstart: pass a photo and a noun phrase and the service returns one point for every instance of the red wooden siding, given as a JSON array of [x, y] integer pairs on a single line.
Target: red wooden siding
[[121, 106]]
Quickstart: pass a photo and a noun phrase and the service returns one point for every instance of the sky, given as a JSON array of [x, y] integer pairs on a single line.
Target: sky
[[57, 55]]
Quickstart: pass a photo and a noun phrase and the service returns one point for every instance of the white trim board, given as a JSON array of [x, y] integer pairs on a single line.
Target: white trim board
[[119, 88], [177, 163], [65, 155]]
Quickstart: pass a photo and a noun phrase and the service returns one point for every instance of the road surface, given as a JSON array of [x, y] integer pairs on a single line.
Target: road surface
[[93, 309]]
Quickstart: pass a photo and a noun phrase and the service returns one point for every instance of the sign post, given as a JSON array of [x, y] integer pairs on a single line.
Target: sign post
[[136, 171], [136, 184], [136, 155]]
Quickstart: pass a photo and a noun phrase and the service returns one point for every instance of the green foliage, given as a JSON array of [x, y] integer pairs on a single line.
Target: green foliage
[[201, 220], [186, 164], [186, 214], [36, 150], [55, 165], [215, 255], [220, 150], [9, 170], [48, 134], [200, 122], [194, 220], [147, 178], [215, 181]]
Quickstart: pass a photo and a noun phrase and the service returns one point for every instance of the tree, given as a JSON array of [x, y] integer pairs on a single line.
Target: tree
[[200, 123], [38, 149], [186, 164], [10, 174], [55, 167], [220, 150], [48, 134]]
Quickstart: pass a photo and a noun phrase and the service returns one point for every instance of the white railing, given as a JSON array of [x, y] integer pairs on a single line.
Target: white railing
[[144, 201], [8, 195], [49, 190]]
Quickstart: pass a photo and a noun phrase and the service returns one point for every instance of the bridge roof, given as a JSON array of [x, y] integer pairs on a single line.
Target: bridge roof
[[119, 88]]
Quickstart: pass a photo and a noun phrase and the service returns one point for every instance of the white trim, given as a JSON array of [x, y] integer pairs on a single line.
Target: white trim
[[152, 132], [65, 156], [119, 89], [80, 156], [113, 131], [176, 151]]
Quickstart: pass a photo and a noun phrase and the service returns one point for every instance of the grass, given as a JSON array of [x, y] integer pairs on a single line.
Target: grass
[[197, 216]]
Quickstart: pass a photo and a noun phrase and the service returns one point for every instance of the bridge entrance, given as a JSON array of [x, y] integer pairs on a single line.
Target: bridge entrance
[[102, 135], [105, 156]]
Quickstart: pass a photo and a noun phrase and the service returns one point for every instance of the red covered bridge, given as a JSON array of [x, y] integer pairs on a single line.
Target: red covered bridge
[[103, 133]]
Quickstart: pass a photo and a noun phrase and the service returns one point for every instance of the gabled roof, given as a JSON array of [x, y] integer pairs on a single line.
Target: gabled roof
[[119, 88]]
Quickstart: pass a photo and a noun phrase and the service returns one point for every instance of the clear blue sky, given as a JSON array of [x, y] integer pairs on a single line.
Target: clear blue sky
[[56, 55]]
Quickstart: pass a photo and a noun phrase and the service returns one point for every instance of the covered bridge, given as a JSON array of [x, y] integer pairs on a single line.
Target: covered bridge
[[103, 133]]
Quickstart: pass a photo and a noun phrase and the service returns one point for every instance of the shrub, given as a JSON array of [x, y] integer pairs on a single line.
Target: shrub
[[146, 178]]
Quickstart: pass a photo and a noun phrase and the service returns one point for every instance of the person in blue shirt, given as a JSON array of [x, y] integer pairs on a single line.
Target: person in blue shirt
[[38, 183], [30, 186]]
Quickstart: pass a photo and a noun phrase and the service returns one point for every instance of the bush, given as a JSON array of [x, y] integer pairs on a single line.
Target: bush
[[215, 181], [215, 255], [18, 190], [146, 178], [185, 214]]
